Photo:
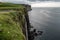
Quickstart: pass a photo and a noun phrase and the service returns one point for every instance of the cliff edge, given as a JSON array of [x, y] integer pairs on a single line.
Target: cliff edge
[[12, 21]]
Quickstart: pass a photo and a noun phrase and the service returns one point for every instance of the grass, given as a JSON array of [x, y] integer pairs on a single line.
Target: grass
[[10, 24], [10, 5], [10, 29]]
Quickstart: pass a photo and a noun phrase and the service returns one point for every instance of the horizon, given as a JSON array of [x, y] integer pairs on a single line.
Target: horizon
[[35, 3], [46, 4]]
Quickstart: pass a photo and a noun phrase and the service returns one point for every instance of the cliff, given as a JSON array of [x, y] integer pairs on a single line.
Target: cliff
[[13, 21]]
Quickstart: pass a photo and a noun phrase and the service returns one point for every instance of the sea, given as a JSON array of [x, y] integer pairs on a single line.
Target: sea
[[46, 19]]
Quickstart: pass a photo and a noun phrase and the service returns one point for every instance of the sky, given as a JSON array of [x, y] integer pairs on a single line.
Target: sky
[[37, 3], [43, 0]]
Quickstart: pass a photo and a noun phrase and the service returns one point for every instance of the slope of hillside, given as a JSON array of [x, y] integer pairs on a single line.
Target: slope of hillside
[[11, 22]]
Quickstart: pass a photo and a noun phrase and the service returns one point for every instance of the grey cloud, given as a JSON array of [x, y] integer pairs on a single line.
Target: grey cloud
[[19, 2], [43, 0], [15, 1], [32, 0]]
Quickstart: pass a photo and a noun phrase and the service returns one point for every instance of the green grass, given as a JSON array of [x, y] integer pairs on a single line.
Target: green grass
[[10, 24], [10, 5], [9, 28]]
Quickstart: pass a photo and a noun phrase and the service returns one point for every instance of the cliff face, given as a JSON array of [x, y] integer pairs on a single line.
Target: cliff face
[[12, 21]]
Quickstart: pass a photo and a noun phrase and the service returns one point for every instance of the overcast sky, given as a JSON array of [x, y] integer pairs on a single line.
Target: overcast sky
[[30, 0], [37, 3], [43, 0]]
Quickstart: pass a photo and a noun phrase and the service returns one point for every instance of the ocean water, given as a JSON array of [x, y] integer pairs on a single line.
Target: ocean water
[[47, 20]]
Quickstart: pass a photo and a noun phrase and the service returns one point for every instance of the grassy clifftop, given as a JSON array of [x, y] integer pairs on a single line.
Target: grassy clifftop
[[11, 22], [10, 5]]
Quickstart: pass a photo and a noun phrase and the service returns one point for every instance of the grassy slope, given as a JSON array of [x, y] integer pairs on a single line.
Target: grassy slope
[[10, 25], [10, 5]]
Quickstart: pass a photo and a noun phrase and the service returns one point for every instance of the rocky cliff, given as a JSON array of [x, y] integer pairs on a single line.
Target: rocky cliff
[[14, 21]]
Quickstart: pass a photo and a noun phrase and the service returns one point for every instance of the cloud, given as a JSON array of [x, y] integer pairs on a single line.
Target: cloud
[[46, 4], [31, 0], [43, 0], [0, 0], [12, 0], [16, 1]]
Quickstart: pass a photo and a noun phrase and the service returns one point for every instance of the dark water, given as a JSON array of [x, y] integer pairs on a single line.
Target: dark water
[[46, 20]]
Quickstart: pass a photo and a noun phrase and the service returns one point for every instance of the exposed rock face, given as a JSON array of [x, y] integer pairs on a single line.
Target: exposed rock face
[[28, 7], [31, 34]]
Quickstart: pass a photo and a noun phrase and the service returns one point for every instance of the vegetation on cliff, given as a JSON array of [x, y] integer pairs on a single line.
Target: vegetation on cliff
[[11, 22]]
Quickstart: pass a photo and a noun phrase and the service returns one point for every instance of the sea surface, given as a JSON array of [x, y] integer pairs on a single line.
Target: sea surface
[[46, 19]]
